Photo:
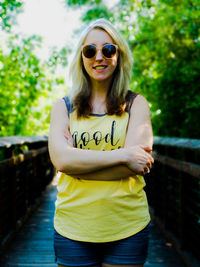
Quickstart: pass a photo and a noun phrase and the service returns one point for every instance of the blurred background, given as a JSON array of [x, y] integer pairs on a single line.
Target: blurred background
[[36, 43]]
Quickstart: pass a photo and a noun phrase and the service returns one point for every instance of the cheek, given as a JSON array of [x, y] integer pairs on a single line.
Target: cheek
[[87, 65], [114, 63]]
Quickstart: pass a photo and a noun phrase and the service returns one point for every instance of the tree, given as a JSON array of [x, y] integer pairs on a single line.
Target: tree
[[24, 79], [8, 11], [28, 86]]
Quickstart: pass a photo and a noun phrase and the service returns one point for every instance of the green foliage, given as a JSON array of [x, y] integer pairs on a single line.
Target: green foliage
[[8, 11], [58, 57], [166, 69], [28, 86], [25, 86], [164, 37], [76, 3], [97, 12]]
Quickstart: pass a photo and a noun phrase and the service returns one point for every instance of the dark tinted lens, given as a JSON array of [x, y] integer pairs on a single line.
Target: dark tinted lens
[[89, 51], [109, 50]]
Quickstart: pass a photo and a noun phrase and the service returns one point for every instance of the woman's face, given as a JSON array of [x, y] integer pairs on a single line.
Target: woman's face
[[99, 68]]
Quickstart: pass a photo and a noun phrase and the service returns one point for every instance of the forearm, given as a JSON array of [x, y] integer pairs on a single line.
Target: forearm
[[74, 161], [87, 161], [108, 174]]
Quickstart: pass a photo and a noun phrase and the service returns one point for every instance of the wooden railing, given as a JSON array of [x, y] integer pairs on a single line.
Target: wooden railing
[[25, 171], [173, 191]]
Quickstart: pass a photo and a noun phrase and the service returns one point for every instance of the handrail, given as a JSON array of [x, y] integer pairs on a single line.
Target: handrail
[[173, 190], [25, 171]]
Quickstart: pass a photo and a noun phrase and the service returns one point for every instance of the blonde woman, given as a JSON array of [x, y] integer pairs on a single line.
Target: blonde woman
[[101, 141]]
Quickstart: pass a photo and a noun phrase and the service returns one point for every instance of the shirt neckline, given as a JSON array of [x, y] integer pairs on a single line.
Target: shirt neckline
[[98, 115]]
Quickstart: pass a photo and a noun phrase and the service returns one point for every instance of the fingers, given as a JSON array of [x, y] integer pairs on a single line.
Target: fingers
[[146, 170], [150, 159], [146, 148], [148, 162], [140, 161], [149, 165]]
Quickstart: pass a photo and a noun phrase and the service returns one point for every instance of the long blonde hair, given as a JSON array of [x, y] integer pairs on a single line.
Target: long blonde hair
[[80, 92]]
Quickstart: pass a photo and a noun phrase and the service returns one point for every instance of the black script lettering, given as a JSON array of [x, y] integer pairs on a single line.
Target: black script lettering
[[74, 136], [97, 136], [112, 134], [107, 138], [85, 137]]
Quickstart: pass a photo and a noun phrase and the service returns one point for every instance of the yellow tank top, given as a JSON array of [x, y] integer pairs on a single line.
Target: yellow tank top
[[100, 211]]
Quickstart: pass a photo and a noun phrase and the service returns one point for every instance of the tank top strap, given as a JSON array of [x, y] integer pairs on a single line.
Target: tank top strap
[[130, 97], [68, 105]]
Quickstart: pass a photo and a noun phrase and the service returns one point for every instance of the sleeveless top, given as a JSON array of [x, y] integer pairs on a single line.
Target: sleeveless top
[[100, 211]]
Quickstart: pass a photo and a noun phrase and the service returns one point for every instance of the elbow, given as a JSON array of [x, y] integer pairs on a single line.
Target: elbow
[[60, 165], [63, 167], [60, 161], [66, 167]]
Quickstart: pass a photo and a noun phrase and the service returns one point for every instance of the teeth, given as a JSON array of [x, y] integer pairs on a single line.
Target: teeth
[[100, 68]]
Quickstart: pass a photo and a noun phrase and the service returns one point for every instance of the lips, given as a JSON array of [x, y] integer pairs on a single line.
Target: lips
[[100, 67]]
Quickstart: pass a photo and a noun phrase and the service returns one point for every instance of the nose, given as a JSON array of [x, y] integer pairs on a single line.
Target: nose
[[99, 55]]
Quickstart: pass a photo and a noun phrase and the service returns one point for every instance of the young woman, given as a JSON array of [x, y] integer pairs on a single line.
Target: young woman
[[101, 141]]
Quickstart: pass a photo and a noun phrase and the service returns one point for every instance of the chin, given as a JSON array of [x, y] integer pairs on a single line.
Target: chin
[[101, 77]]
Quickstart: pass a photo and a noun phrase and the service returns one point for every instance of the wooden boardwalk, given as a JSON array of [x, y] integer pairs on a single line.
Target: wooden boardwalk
[[33, 245]]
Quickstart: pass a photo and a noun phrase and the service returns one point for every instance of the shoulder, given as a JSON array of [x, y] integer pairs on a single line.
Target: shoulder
[[63, 103], [59, 108], [140, 108], [140, 100], [133, 100], [133, 96], [58, 104]]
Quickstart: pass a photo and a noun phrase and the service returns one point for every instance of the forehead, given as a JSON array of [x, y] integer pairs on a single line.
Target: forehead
[[98, 36]]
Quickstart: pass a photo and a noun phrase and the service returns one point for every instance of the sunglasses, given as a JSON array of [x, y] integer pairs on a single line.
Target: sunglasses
[[108, 50]]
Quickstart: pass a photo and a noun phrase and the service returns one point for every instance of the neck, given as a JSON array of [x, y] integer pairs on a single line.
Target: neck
[[100, 89]]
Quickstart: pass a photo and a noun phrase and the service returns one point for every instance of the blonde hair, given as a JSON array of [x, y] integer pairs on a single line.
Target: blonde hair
[[80, 91]]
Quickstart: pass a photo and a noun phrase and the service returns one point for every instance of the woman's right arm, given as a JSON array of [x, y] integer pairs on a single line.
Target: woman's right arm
[[72, 160]]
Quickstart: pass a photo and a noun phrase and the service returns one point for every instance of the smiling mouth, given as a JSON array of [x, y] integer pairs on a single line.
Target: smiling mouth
[[100, 67]]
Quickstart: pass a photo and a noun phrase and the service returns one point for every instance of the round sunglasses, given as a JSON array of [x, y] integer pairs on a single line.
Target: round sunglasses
[[108, 50]]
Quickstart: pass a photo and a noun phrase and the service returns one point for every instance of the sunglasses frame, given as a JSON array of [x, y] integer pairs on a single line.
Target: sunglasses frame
[[116, 46]]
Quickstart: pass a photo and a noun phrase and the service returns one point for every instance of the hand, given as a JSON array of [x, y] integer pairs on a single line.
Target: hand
[[139, 159], [149, 165], [68, 137]]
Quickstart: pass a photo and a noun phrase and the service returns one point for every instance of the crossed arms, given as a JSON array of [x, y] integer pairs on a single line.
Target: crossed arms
[[134, 158]]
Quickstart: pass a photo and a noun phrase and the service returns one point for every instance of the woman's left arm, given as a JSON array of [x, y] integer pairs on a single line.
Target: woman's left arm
[[139, 132], [140, 128]]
